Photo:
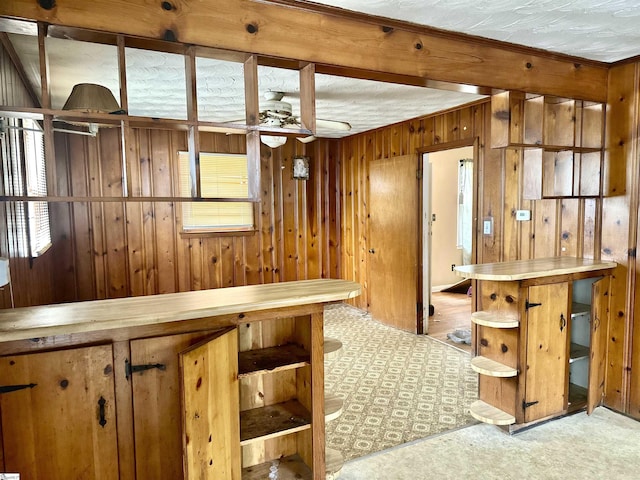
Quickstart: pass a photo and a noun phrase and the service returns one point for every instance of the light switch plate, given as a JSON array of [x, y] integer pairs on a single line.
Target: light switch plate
[[523, 215], [487, 226]]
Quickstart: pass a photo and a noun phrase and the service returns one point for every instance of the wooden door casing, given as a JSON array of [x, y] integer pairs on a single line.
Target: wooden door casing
[[546, 368], [53, 431], [393, 242]]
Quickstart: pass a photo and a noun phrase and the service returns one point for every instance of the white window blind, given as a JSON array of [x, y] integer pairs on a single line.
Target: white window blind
[[24, 174], [221, 176]]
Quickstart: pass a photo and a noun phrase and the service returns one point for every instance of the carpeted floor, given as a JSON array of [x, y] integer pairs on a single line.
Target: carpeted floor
[[397, 387], [604, 445]]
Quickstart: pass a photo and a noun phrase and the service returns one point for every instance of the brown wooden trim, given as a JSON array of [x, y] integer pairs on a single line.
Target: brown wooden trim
[[57, 199], [404, 50], [124, 412]]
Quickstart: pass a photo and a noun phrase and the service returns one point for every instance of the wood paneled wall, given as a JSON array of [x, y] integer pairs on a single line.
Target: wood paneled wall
[[116, 249], [605, 228]]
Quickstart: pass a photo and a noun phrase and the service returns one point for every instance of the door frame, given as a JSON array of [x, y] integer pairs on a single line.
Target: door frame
[[424, 266]]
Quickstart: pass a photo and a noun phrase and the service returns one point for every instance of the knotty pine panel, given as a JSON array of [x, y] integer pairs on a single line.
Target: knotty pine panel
[[114, 249]]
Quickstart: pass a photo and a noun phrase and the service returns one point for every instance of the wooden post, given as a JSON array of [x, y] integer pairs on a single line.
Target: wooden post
[[192, 115], [49, 148], [253, 119], [308, 97], [128, 144]]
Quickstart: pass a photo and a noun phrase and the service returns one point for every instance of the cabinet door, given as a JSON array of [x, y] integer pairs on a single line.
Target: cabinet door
[[547, 363], [210, 408], [599, 327], [156, 404], [62, 427]]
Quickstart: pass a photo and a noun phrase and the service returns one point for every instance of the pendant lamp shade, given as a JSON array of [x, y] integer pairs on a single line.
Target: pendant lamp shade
[[91, 98]]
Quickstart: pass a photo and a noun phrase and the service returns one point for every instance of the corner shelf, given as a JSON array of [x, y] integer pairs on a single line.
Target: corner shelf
[[334, 463], [495, 319], [491, 368], [331, 348], [333, 406], [272, 359], [489, 414], [273, 421]]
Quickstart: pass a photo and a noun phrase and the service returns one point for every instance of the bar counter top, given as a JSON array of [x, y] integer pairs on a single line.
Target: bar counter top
[[526, 269], [130, 312]]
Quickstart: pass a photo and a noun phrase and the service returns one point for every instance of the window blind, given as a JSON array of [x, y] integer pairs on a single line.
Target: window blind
[[221, 176]]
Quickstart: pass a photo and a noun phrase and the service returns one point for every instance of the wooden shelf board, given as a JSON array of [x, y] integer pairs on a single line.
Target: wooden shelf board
[[489, 414], [334, 461], [331, 348], [578, 352], [491, 368], [579, 309], [291, 467], [273, 421], [495, 319], [272, 359], [333, 406], [577, 396], [552, 148]]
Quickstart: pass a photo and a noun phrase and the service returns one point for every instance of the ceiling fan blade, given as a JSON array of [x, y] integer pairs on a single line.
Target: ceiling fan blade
[[333, 124], [308, 139]]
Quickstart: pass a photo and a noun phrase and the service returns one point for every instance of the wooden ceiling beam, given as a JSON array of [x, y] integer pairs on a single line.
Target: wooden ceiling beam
[[300, 32]]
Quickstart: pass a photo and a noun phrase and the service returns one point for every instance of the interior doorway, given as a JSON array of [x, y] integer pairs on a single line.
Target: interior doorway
[[448, 240]]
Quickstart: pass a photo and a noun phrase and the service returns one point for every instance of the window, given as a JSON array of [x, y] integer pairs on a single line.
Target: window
[[24, 174], [221, 176]]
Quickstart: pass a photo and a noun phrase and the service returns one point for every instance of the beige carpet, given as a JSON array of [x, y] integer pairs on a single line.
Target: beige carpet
[[397, 387], [605, 445]]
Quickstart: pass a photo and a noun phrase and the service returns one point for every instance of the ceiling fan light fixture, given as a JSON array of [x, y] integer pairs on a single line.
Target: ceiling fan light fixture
[[273, 141]]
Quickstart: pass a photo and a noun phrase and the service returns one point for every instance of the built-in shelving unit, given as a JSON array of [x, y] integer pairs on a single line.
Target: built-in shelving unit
[[491, 368], [495, 319], [561, 140], [272, 421], [272, 359]]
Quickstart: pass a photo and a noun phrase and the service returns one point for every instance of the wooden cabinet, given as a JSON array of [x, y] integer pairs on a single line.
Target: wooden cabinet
[[207, 385], [561, 141], [539, 335], [58, 414]]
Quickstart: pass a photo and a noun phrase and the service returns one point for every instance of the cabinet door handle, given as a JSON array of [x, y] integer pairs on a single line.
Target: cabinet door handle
[[101, 404], [563, 322]]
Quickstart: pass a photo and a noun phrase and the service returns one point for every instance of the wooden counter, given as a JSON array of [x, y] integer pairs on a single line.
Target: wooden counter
[[92, 316], [207, 384], [527, 269]]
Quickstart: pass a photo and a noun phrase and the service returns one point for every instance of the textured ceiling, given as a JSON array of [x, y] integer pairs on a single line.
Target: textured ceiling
[[605, 30]]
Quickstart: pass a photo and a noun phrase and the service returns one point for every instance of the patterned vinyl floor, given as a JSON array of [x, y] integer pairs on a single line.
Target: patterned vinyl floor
[[397, 387]]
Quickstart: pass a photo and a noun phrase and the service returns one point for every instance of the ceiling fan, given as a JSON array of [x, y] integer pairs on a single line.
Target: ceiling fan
[[275, 112]]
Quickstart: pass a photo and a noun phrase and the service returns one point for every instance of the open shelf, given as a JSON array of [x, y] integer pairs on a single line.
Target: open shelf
[[578, 352], [577, 396], [272, 359], [489, 414], [579, 309], [331, 348], [273, 421], [288, 467], [495, 319], [333, 406], [491, 368]]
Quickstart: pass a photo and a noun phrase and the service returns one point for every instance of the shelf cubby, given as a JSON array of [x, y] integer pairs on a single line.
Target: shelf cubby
[[272, 421], [271, 359]]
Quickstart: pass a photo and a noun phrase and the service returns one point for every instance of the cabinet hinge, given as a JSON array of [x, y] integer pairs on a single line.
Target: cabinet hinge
[[131, 369], [526, 405], [528, 305], [15, 388]]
